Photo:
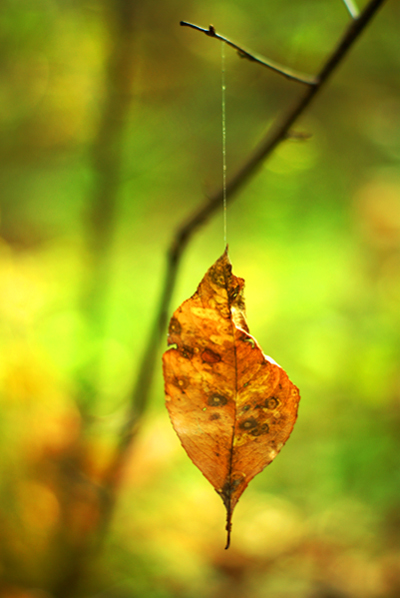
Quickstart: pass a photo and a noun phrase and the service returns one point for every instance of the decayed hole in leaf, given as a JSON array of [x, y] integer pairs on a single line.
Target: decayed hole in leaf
[[249, 340]]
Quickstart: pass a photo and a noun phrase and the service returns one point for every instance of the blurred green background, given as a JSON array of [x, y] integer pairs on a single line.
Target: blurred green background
[[110, 116]]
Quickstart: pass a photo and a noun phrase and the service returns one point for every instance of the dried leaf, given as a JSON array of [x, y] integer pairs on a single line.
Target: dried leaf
[[232, 407]]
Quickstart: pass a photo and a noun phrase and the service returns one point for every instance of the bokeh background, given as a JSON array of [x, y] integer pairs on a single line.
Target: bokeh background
[[110, 118]]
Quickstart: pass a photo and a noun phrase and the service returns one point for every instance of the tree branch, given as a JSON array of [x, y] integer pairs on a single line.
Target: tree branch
[[288, 73]]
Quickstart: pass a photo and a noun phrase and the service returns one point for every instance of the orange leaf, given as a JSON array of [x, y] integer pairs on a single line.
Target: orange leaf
[[232, 407]]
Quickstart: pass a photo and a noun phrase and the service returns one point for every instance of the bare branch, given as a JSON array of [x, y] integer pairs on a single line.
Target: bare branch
[[288, 73], [352, 8]]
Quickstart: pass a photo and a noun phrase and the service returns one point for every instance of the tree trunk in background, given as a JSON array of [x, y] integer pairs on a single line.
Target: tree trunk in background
[[81, 499]]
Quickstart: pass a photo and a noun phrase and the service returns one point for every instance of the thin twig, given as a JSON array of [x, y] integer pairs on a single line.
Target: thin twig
[[352, 8], [141, 391], [277, 68]]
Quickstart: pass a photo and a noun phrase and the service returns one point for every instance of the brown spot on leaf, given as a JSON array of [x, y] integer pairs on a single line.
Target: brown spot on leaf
[[247, 424], [261, 429], [271, 403], [174, 326], [181, 382], [217, 400], [214, 416], [210, 357], [187, 352]]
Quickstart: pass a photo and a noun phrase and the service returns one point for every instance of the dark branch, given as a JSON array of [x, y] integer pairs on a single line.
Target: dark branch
[[288, 73]]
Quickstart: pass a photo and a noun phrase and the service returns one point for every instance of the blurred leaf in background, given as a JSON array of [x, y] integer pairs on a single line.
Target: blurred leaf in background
[[111, 135]]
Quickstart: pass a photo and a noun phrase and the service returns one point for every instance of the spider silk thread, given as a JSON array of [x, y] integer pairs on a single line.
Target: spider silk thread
[[223, 105]]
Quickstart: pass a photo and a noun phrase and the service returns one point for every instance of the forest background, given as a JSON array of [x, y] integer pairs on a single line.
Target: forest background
[[110, 137]]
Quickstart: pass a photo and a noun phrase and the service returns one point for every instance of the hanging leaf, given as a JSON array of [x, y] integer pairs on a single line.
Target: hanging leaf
[[232, 407]]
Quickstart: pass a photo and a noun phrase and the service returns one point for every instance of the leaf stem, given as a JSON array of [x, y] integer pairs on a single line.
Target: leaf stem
[[277, 68], [228, 529]]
